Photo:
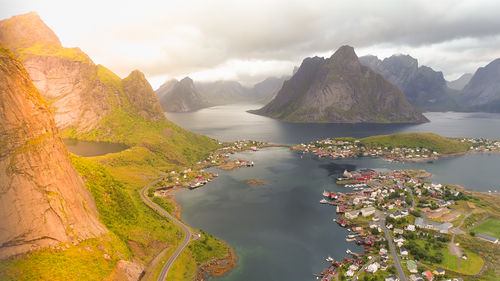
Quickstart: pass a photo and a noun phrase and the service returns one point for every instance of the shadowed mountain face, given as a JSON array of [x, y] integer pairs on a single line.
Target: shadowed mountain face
[[83, 94], [339, 89], [195, 95], [43, 200], [423, 87], [483, 90]]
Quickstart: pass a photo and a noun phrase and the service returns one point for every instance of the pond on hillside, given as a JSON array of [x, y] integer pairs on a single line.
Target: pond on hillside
[[92, 148]]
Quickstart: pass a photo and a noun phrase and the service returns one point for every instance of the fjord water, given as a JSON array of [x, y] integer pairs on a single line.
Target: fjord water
[[92, 148], [232, 122], [280, 231]]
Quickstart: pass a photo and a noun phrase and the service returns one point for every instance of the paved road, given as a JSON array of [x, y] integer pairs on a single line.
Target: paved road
[[185, 229], [395, 256]]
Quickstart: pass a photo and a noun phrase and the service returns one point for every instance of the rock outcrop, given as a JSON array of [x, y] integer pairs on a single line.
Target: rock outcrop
[[43, 200], [82, 94], [423, 87], [339, 89], [483, 90]]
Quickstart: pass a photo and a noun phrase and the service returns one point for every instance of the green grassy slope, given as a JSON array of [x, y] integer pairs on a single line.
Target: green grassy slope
[[442, 145]]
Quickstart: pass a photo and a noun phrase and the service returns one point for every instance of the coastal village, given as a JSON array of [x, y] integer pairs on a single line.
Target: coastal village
[[337, 148], [197, 176], [405, 223], [407, 226]]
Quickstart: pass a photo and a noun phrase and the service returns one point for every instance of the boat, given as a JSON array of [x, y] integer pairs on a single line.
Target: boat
[[323, 201], [350, 239], [326, 193], [329, 259]]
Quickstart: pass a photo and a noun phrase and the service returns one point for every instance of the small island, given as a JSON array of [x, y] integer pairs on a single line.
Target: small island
[[407, 147], [255, 182]]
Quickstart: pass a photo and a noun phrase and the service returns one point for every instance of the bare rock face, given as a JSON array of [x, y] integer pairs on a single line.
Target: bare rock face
[[126, 271], [340, 89], [81, 93], [43, 200]]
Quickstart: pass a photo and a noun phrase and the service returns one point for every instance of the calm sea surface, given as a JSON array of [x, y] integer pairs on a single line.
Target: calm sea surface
[[280, 231]]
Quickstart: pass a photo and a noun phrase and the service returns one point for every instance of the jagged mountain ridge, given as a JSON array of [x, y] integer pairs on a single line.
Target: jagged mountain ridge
[[197, 95], [423, 87], [43, 200], [339, 89], [82, 93]]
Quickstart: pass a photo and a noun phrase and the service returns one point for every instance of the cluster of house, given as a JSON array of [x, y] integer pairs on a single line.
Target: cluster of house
[[482, 144], [341, 148], [221, 155], [385, 195]]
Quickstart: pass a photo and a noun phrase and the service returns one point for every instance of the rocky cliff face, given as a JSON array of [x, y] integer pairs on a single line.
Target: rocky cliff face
[[182, 96], [43, 200], [81, 93], [423, 87], [483, 91], [339, 89]]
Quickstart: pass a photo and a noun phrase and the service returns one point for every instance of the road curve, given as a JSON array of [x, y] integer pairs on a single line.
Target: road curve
[[187, 231]]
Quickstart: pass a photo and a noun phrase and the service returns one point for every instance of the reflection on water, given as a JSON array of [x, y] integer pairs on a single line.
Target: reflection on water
[[92, 148]]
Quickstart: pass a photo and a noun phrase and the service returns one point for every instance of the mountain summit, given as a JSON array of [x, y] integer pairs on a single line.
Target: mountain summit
[[339, 89]]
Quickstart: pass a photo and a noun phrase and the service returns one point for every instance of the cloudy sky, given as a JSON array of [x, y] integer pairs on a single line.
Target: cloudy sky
[[250, 40]]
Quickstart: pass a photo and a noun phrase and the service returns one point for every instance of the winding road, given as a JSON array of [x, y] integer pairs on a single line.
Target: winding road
[[185, 229]]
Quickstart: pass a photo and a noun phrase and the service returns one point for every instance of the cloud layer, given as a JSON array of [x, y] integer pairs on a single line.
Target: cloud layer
[[249, 40]]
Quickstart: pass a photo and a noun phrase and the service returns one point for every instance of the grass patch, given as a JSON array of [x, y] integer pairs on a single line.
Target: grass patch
[[430, 141], [207, 248], [471, 266], [489, 227], [84, 261]]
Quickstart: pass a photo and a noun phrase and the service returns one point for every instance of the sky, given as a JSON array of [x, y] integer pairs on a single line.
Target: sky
[[250, 40]]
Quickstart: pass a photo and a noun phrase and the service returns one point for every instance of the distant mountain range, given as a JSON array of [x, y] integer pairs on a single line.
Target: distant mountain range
[[424, 88], [187, 95], [340, 89], [427, 89]]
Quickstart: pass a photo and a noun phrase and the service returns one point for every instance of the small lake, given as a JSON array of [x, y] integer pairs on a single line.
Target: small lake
[[92, 148]]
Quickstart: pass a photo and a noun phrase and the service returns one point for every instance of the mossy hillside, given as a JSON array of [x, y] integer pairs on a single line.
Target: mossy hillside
[[84, 261], [51, 50], [123, 212], [442, 145]]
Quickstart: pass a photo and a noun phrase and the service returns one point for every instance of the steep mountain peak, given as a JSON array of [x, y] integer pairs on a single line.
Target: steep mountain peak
[[187, 81], [23, 31], [346, 58], [140, 93]]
